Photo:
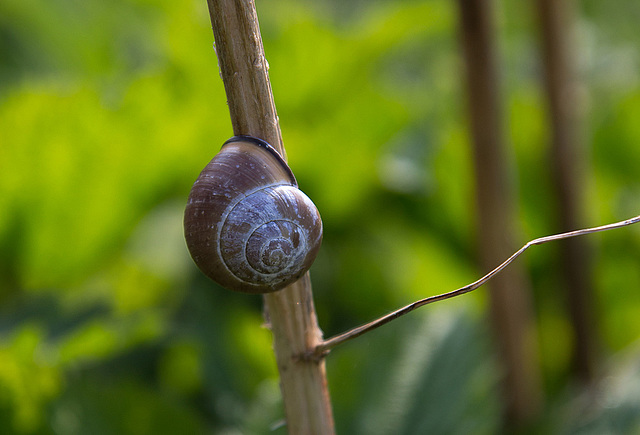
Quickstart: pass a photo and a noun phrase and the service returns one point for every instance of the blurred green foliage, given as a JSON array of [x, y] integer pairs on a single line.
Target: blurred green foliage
[[109, 111]]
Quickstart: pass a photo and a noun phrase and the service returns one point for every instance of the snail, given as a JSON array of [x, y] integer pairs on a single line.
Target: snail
[[247, 225]]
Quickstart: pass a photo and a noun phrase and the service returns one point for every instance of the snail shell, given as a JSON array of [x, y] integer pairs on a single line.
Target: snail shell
[[247, 225]]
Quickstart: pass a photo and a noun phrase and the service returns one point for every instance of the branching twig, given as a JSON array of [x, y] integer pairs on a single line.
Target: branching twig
[[328, 344]]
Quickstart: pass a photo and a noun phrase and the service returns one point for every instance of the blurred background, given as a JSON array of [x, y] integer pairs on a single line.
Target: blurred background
[[108, 112]]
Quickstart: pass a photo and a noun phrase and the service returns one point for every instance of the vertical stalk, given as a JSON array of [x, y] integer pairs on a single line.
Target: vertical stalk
[[510, 304], [556, 19], [291, 312]]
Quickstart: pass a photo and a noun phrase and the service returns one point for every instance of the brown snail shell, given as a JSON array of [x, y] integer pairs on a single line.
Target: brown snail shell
[[247, 225]]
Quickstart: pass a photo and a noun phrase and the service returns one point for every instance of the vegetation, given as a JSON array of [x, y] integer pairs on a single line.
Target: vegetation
[[107, 115]]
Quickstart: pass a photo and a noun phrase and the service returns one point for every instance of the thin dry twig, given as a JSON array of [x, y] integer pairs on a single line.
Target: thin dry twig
[[328, 344]]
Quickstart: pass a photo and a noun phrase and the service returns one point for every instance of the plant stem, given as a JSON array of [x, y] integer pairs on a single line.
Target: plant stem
[[510, 300], [291, 312], [328, 344], [568, 172]]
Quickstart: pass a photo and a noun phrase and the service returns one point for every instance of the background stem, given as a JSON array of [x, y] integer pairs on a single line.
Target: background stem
[[510, 301], [291, 311], [567, 157]]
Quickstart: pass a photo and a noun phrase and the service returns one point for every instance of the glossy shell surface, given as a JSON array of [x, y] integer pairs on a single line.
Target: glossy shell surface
[[247, 225]]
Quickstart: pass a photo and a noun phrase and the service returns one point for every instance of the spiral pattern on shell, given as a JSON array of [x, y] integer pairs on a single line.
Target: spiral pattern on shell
[[247, 225]]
